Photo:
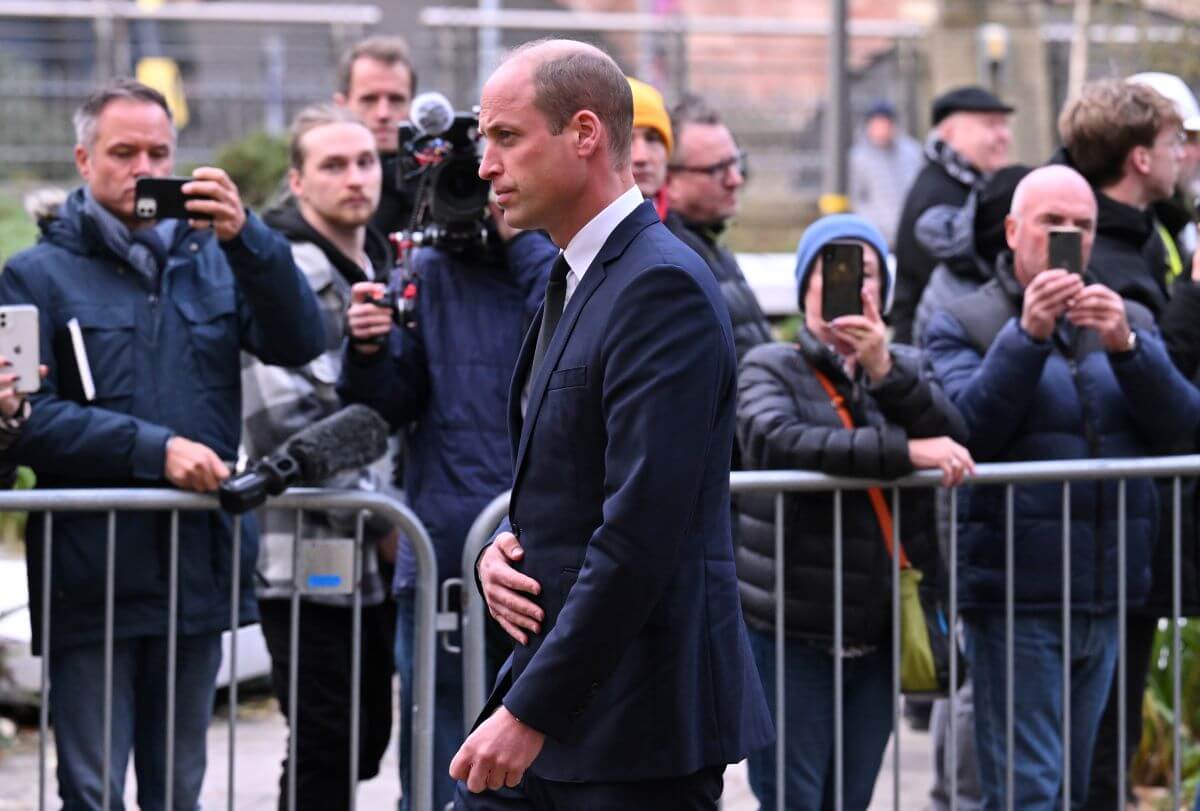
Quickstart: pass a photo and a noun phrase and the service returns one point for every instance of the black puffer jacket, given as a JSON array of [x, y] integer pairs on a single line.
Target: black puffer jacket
[[914, 265], [750, 327], [786, 422], [1128, 254]]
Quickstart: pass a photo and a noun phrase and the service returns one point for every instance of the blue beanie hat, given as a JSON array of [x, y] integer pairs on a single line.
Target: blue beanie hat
[[842, 227]]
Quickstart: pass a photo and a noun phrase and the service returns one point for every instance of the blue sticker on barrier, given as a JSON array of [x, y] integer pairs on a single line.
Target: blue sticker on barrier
[[324, 581]]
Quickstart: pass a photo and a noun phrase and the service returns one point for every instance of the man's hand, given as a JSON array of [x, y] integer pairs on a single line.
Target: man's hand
[[497, 753], [1046, 298], [365, 320], [11, 400], [222, 201], [866, 334], [1103, 310], [192, 466], [503, 586], [944, 453]]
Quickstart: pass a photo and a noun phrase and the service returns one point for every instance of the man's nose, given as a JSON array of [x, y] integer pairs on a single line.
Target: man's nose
[[142, 164], [383, 109], [488, 165]]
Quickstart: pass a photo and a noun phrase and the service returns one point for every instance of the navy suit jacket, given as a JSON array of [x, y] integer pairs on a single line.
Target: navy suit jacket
[[621, 501]]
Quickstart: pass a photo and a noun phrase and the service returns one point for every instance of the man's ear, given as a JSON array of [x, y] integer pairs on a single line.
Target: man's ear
[[340, 100], [294, 185], [1138, 159], [1010, 231], [588, 133], [81, 161]]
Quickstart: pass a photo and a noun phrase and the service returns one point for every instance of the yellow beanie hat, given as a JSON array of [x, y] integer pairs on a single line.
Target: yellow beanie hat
[[649, 111]]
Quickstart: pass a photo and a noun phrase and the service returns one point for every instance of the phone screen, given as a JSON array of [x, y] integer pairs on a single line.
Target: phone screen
[[1065, 249], [841, 279]]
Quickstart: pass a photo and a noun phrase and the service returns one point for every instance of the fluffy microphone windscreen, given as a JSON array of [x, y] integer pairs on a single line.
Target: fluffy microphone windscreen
[[347, 439]]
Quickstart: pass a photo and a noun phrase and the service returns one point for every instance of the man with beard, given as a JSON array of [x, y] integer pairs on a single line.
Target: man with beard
[[334, 181]]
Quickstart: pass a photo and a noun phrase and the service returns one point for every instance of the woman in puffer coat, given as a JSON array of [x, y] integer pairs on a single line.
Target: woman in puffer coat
[[787, 421]]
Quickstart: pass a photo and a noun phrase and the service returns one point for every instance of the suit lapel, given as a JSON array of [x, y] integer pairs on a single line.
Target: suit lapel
[[537, 386], [517, 386], [637, 221]]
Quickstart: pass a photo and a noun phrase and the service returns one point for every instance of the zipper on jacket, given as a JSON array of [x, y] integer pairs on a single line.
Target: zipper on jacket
[[1093, 444]]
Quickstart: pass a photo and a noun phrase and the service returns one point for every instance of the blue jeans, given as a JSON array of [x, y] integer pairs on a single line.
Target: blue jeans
[[1038, 703], [808, 698], [139, 704]]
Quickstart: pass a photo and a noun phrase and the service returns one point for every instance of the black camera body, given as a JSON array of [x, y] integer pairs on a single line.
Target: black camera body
[[451, 199]]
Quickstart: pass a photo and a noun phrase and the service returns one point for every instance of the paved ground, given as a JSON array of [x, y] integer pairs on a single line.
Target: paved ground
[[261, 737]]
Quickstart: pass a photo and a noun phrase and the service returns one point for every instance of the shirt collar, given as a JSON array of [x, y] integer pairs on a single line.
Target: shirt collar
[[583, 248]]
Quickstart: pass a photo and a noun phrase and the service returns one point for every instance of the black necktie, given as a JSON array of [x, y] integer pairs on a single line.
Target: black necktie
[[552, 309]]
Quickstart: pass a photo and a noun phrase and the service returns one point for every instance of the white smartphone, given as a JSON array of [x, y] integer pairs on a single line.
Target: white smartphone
[[19, 344]]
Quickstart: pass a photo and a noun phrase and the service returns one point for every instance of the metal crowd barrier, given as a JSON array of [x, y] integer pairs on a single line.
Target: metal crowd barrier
[[1006, 474], [125, 500]]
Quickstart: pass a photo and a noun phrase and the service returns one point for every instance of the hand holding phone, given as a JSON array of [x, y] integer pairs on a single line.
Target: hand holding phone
[[1065, 250], [19, 346], [841, 279]]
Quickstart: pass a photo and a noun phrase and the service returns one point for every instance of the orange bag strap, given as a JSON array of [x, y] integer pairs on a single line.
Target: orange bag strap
[[882, 513]]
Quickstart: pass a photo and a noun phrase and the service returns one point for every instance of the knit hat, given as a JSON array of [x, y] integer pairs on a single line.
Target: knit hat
[[650, 111], [842, 227]]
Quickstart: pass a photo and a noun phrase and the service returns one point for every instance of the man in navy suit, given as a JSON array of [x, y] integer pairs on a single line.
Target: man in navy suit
[[631, 685]]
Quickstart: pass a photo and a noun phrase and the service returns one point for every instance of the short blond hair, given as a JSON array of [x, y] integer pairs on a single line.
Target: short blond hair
[[1107, 120], [313, 117]]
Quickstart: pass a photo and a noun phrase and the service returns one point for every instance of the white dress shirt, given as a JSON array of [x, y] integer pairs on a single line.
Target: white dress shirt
[[583, 248]]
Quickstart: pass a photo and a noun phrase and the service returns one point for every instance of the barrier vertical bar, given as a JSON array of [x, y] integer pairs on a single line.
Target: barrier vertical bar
[[356, 661], [896, 648], [294, 666], [953, 620], [1122, 631], [44, 710], [172, 651], [780, 670], [235, 594], [1009, 621], [1176, 652], [838, 686], [1066, 644], [110, 579]]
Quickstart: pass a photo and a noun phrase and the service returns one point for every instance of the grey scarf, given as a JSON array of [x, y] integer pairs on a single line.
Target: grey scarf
[[958, 167], [145, 250]]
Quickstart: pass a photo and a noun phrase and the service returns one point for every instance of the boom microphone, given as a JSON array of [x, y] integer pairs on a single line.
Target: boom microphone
[[432, 113], [345, 440]]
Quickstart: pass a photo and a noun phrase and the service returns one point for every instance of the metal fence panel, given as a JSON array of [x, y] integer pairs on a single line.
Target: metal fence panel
[[1007, 475], [113, 501]]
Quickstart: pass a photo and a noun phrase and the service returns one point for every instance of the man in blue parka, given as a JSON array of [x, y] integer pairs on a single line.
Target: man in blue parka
[[443, 379], [1044, 364], [141, 326]]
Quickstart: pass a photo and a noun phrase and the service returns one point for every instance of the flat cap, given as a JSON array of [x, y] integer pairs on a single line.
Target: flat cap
[[968, 99]]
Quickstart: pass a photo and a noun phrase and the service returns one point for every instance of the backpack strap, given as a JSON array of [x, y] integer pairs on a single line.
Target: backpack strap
[[882, 514]]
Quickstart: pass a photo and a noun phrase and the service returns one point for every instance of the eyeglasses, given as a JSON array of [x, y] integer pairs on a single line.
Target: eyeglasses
[[718, 170]]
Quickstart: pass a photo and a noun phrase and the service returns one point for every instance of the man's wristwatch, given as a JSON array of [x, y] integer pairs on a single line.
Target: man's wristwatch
[[1130, 343]]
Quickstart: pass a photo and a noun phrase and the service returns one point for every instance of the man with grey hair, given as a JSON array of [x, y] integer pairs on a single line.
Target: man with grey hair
[[141, 325], [614, 572]]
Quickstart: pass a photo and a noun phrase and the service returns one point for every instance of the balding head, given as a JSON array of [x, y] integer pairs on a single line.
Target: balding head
[[1050, 197], [569, 76], [557, 117]]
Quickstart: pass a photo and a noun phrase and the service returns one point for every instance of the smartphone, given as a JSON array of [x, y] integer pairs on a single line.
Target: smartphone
[[1066, 250], [19, 344], [162, 198], [841, 279]]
